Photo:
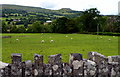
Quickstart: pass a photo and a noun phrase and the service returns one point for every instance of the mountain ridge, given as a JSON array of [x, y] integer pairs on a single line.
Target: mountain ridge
[[37, 9]]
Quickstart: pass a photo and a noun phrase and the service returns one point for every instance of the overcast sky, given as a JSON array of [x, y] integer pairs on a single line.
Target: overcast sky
[[106, 7]]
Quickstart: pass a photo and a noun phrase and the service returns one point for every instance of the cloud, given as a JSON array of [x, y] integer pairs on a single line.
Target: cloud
[[48, 5], [119, 8]]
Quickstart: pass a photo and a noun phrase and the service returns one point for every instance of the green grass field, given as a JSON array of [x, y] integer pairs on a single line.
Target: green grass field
[[29, 44]]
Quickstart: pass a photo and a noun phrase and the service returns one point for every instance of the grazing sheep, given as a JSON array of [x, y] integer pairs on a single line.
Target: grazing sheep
[[101, 37], [66, 36], [71, 38], [109, 39], [17, 39], [42, 41], [113, 36], [51, 41]]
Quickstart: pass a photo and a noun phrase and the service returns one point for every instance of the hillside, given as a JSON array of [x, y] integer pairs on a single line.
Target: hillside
[[7, 9]]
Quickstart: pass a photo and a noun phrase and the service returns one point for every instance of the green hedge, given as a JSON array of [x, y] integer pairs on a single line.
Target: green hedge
[[102, 33], [107, 33]]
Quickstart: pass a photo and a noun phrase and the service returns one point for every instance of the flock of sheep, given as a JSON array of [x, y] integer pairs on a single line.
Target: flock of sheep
[[51, 41], [43, 41], [108, 39]]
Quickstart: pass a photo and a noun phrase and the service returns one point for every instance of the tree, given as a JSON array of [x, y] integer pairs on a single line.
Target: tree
[[4, 27], [102, 23], [65, 25], [21, 29], [71, 26], [89, 20], [59, 25], [47, 28], [29, 29], [26, 24], [13, 29], [37, 26], [113, 24]]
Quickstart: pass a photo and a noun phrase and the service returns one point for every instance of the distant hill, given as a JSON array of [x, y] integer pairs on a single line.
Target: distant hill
[[7, 8]]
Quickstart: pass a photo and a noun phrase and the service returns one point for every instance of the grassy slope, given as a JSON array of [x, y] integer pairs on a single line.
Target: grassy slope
[[43, 11], [29, 44]]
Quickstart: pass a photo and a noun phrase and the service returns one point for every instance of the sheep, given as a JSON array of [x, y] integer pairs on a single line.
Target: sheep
[[113, 36], [101, 37], [50, 37], [51, 41], [42, 41], [66, 36], [17, 39], [109, 39], [71, 38]]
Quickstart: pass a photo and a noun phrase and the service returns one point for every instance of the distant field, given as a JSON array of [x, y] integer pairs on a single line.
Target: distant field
[[28, 44]]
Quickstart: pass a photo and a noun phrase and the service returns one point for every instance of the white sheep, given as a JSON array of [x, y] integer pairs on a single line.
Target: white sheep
[[51, 41], [17, 39], [42, 41], [71, 38], [113, 36], [66, 36], [109, 39], [101, 37]]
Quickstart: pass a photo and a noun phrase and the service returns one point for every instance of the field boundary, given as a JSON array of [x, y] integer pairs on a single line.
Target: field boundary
[[97, 65]]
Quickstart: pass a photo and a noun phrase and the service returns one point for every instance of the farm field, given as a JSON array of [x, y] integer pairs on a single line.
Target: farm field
[[29, 44]]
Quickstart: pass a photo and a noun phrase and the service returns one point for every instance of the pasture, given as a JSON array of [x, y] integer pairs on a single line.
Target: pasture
[[28, 44]]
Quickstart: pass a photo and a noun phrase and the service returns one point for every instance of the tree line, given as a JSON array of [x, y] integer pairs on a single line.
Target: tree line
[[89, 21]]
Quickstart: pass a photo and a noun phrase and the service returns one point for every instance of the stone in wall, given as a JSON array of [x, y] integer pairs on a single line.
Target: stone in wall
[[90, 68], [38, 65], [55, 61], [114, 59], [16, 58], [6, 72], [48, 70], [115, 71], [29, 71], [101, 62], [16, 68], [77, 64], [2, 66], [114, 66], [75, 56], [67, 70], [97, 57]]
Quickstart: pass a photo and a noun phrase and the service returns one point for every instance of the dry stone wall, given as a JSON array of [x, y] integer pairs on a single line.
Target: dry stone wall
[[97, 65]]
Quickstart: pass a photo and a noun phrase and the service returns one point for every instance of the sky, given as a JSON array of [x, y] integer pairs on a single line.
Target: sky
[[106, 7]]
